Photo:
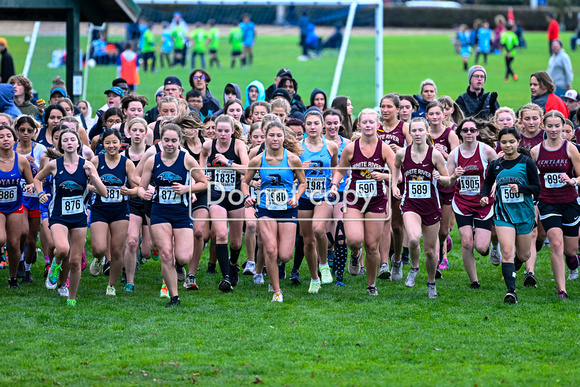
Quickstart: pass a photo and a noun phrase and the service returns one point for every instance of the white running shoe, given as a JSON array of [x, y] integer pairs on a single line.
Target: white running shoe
[[397, 273], [573, 275], [95, 268], [384, 271], [495, 255], [63, 290], [432, 291], [250, 268], [259, 279], [326, 276], [354, 264], [278, 297], [410, 281]]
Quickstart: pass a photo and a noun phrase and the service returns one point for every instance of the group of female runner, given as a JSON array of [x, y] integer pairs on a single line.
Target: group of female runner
[[304, 188]]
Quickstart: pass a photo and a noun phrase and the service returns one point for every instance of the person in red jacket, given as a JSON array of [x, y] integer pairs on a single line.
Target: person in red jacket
[[542, 88], [128, 66], [553, 30]]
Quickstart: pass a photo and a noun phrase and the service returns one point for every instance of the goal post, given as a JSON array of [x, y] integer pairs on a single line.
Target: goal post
[[353, 5]]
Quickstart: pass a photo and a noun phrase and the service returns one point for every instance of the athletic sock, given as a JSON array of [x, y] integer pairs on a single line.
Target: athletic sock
[[27, 266], [298, 253], [539, 245], [46, 260], [441, 255], [341, 251], [222, 257], [234, 255], [405, 253], [509, 275], [330, 256]]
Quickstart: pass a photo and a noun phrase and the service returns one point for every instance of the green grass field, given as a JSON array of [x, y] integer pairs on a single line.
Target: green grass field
[[340, 336]]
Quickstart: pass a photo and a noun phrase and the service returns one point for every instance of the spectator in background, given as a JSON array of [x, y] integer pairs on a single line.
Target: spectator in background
[[7, 100], [560, 68], [213, 40], [270, 90], [463, 36], [318, 99], [171, 88], [312, 41], [199, 79], [571, 99], [128, 67], [483, 42], [194, 100], [553, 30], [498, 30], [179, 34], [303, 25], [23, 95], [542, 88], [254, 92], [87, 112], [428, 94], [148, 48], [198, 39], [297, 106], [335, 39], [509, 42], [236, 41], [475, 102], [100, 49], [248, 36], [6, 63], [166, 45], [133, 34]]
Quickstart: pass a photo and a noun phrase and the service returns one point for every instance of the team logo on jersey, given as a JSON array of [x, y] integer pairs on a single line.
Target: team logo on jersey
[[71, 186], [169, 176], [275, 179], [366, 173], [316, 167], [109, 179]]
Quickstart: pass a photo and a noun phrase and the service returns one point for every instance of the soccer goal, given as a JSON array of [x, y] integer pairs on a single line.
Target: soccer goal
[[353, 6]]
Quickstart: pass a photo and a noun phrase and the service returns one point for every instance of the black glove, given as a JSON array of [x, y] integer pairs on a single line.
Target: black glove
[[492, 102]]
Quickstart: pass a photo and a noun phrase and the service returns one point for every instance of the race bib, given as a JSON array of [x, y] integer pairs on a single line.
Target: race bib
[[366, 188], [315, 185], [72, 205], [225, 177], [168, 196], [469, 185], [8, 195], [507, 196], [552, 180], [276, 199], [419, 189], [113, 195]]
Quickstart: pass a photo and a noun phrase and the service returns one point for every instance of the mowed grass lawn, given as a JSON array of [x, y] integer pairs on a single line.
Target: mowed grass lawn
[[340, 336]]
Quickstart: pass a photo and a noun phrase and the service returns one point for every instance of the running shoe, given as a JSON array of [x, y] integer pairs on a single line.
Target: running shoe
[[573, 275], [475, 285], [190, 283], [107, 268], [278, 297], [281, 270], [270, 288], [432, 291], [111, 291], [95, 268], [181, 274], [124, 277], [410, 281], [63, 290], [314, 286], [444, 265], [530, 280], [211, 268], [140, 258], [438, 274], [13, 283], [339, 283], [295, 277], [164, 292], [495, 255], [560, 293], [129, 288], [510, 298], [155, 255], [250, 268], [71, 302], [406, 260], [384, 271], [362, 271], [21, 269], [234, 277], [173, 302], [572, 262], [225, 285], [354, 264], [372, 290], [259, 279], [397, 273], [53, 274], [27, 278], [326, 276]]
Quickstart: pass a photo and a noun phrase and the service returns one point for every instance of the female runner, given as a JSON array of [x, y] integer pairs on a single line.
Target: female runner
[[138, 229], [395, 133], [444, 140], [515, 176], [26, 127], [52, 116], [366, 196], [421, 164], [332, 123], [13, 168], [110, 213], [408, 105], [558, 161], [452, 112], [343, 105], [469, 161], [209, 132], [68, 216], [318, 157], [171, 226], [227, 157], [277, 201], [113, 116]]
